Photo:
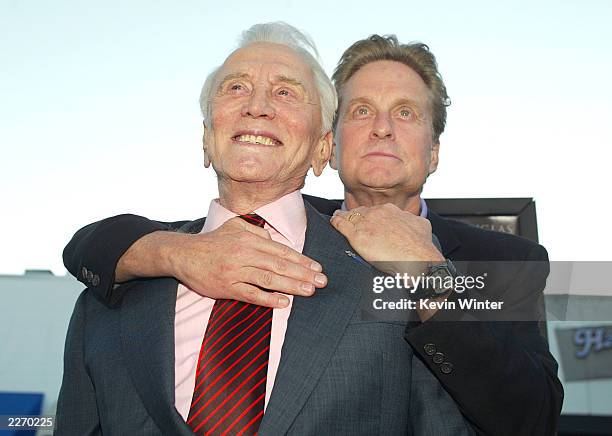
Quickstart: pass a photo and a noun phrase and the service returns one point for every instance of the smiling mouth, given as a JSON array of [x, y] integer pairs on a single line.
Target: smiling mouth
[[257, 140]]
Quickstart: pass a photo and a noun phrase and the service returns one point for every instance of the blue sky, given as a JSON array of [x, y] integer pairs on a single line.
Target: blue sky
[[99, 112]]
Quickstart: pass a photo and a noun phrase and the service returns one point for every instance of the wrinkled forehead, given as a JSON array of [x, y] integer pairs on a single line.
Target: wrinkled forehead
[[265, 62], [388, 82]]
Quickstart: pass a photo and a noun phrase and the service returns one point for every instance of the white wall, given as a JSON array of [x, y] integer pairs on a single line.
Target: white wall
[[34, 317]]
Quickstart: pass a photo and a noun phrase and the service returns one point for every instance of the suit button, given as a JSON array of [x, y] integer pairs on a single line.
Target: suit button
[[446, 368], [96, 280], [438, 358], [89, 276], [84, 273], [430, 349]]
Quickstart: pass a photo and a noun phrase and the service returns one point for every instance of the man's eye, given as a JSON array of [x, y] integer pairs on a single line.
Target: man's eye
[[362, 111], [283, 92], [236, 87], [405, 113]]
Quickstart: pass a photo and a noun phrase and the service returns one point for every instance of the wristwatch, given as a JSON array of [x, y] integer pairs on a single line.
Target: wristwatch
[[438, 282]]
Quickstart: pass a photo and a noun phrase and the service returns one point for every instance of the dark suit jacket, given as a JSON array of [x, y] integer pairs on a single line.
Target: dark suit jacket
[[503, 377], [338, 374]]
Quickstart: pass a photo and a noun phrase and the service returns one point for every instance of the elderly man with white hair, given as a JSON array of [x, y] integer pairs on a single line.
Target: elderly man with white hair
[[170, 361]]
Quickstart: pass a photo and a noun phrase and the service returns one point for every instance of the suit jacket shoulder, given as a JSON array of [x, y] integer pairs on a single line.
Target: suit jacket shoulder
[[461, 241], [323, 205]]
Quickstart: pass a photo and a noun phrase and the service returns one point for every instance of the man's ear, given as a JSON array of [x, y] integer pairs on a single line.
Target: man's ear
[[205, 140], [333, 161], [433, 163], [322, 153]]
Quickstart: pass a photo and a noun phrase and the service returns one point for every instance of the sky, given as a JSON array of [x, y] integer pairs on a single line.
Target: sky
[[99, 109]]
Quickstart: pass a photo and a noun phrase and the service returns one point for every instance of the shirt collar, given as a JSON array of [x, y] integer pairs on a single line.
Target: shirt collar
[[286, 215], [423, 213]]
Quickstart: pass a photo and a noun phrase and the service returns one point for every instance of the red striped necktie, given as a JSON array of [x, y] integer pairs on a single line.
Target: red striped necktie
[[230, 384]]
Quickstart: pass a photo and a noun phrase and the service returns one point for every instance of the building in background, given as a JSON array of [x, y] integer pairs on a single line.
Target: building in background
[[34, 316]]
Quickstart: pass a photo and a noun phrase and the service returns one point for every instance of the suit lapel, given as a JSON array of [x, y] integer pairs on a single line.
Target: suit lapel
[[147, 340], [323, 205], [316, 324]]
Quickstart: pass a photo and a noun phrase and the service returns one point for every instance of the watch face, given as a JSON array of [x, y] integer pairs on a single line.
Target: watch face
[[439, 282], [443, 280], [440, 273]]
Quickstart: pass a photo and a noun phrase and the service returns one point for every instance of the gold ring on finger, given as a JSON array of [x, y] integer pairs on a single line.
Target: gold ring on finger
[[353, 216]]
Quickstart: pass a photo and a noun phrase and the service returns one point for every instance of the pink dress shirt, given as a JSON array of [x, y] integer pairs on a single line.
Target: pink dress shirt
[[286, 222]]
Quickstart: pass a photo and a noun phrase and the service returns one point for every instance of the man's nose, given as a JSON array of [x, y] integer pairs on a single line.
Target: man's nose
[[382, 128], [258, 105]]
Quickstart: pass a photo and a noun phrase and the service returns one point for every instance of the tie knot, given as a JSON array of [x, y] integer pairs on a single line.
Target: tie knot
[[254, 219]]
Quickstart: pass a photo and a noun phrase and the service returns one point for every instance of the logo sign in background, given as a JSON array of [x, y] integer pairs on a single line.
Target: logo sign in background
[[586, 352]]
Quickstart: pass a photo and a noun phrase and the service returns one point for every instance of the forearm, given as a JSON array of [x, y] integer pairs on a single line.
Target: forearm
[[150, 256], [93, 253]]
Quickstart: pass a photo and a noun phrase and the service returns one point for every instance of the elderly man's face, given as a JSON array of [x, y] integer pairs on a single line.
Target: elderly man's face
[[384, 134], [266, 118]]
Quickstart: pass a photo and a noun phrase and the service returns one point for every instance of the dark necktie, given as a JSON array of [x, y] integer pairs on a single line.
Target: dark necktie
[[230, 385]]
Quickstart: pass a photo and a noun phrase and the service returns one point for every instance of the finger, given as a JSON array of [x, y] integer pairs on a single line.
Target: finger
[[259, 231], [282, 251], [353, 216], [341, 213], [343, 225], [291, 270], [362, 210], [254, 295], [275, 282]]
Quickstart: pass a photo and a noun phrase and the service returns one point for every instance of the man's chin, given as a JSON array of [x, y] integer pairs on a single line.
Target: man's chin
[[379, 183], [253, 174], [250, 167]]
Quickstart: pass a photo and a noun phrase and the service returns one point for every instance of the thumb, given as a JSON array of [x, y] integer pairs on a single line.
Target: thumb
[[243, 225]]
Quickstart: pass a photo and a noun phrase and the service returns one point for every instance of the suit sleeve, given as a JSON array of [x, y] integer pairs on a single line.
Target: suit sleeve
[[500, 373], [94, 251], [77, 409]]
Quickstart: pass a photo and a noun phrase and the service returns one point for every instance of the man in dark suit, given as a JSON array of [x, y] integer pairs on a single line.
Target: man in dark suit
[[389, 121], [169, 361]]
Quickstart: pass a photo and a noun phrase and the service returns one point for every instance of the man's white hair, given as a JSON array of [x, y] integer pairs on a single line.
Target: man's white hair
[[287, 35]]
